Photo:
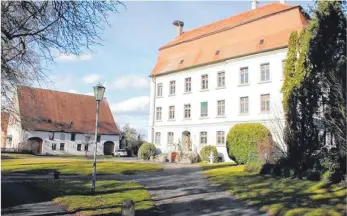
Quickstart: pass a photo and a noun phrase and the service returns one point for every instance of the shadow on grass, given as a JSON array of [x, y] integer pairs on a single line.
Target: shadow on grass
[[277, 195]]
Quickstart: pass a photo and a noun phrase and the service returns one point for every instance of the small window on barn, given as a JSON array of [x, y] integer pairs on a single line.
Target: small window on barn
[[181, 62], [62, 146], [51, 136], [73, 137], [261, 41], [217, 52], [98, 138], [62, 136], [79, 146], [54, 146]]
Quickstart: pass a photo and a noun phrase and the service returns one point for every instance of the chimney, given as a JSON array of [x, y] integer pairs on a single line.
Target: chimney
[[283, 1], [254, 4], [179, 26]]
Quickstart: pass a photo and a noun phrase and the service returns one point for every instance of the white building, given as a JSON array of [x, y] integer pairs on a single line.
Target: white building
[[53, 122], [211, 78]]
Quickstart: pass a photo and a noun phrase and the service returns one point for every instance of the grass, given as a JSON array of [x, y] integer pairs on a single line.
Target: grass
[[44, 165], [75, 196], [279, 196]]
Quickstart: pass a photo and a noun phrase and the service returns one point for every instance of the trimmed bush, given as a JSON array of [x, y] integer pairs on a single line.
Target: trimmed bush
[[205, 153], [146, 151], [246, 138], [253, 167]]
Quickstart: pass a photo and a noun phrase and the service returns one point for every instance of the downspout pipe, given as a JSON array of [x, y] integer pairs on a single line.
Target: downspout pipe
[[153, 107]]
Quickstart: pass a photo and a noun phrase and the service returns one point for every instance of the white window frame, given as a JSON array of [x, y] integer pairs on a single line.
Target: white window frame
[[265, 100], [244, 101], [221, 79], [54, 146], [157, 138], [62, 144], [158, 112], [160, 92], [221, 108], [203, 137], [243, 75], [172, 112], [220, 135], [265, 69], [187, 111], [79, 145], [172, 87], [204, 82], [170, 138], [188, 84], [204, 115]]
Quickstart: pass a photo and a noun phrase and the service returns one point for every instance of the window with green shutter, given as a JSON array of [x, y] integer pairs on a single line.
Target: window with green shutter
[[204, 109]]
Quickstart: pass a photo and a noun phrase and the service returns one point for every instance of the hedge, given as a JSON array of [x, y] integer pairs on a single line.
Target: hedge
[[205, 153], [146, 151], [246, 138]]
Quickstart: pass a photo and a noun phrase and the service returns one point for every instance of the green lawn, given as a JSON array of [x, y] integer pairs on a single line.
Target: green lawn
[[43, 165], [75, 196], [278, 196]]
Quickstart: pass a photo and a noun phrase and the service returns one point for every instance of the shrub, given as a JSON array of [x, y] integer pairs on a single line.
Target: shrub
[[253, 167], [205, 153], [146, 151], [246, 138]]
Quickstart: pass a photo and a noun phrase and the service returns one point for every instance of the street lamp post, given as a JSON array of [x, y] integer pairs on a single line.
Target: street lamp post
[[99, 91]]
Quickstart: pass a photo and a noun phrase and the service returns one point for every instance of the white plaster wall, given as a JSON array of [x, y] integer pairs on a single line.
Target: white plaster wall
[[231, 94]]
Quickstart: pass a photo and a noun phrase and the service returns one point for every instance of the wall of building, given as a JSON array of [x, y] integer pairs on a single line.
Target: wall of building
[[232, 92]]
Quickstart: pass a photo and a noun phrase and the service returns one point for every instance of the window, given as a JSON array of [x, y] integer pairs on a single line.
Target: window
[[261, 41], [243, 104], [220, 138], [170, 137], [283, 68], [158, 114], [98, 138], [62, 146], [265, 102], [172, 87], [204, 109], [204, 81], [73, 137], [221, 108], [54, 146], [62, 136], [51, 136], [188, 85], [181, 62], [86, 148], [217, 52], [203, 137], [171, 112], [157, 138], [244, 75], [79, 146], [265, 72], [187, 111], [221, 79], [159, 89]]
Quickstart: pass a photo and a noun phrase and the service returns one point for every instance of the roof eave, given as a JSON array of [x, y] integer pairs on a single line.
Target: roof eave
[[214, 62]]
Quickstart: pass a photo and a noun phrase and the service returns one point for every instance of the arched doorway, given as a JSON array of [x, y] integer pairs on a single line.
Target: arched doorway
[[34, 144], [186, 141], [108, 148]]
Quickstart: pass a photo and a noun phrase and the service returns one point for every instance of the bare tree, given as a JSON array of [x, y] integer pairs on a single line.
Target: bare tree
[[33, 32]]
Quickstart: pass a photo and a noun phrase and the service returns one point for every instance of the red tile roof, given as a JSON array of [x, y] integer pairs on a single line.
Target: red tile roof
[[48, 110], [235, 36], [4, 121]]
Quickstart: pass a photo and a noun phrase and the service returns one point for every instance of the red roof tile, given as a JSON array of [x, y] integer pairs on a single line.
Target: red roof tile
[[49, 110], [235, 36]]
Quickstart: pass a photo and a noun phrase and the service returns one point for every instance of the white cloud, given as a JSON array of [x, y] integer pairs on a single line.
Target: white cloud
[[72, 57], [135, 105], [89, 93], [91, 78], [72, 91], [61, 82], [140, 123], [130, 82]]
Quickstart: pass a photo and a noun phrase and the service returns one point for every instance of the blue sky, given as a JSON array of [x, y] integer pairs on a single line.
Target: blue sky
[[129, 52]]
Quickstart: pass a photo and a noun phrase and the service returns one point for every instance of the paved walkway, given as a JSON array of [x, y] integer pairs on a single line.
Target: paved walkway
[[184, 190]]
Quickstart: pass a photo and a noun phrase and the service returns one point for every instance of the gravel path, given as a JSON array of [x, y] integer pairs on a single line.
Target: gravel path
[[184, 190]]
